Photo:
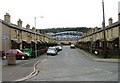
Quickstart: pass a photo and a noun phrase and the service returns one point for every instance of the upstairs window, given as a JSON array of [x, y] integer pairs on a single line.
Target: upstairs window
[[111, 32], [15, 33]]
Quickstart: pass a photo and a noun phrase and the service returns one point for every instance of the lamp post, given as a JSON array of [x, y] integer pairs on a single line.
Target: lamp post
[[104, 35], [91, 47], [78, 36], [35, 34]]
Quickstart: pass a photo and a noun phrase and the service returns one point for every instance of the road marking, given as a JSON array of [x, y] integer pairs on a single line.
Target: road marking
[[109, 72], [96, 69], [66, 53], [34, 72], [67, 78], [44, 60]]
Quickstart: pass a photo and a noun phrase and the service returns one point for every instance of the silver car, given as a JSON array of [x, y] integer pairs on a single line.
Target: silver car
[[52, 51]]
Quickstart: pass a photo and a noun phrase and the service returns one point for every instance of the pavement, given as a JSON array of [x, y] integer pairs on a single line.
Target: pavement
[[98, 59], [24, 67]]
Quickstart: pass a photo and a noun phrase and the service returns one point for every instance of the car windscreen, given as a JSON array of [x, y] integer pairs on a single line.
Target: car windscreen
[[51, 48], [19, 51]]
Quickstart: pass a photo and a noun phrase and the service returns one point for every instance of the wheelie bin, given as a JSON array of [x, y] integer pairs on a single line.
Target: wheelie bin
[[29, 51]]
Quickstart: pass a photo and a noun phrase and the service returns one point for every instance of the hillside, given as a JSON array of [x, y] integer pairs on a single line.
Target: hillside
[[55, 30]]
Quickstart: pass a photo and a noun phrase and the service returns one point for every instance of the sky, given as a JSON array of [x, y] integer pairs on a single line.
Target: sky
[[59, 13]]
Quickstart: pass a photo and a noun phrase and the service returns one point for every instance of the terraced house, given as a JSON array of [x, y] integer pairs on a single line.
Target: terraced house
[[17, 37], [93, 40]]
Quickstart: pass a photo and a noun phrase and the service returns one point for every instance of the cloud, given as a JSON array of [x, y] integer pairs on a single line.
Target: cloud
[[59, 13]]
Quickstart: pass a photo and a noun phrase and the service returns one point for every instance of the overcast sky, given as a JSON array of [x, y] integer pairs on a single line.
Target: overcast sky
[[59, 13]]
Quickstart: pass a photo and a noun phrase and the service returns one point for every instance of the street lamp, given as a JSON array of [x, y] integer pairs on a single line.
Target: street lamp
[[91, 47], [35, 34], [77, 36]]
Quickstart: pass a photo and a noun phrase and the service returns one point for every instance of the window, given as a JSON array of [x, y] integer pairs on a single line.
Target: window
[[30, 36], [111, 32], [119, 31], [20, 34], [15, 33], [99, 35], [107, 33]]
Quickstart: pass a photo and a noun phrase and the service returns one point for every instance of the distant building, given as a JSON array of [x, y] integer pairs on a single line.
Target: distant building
[[67, 37]]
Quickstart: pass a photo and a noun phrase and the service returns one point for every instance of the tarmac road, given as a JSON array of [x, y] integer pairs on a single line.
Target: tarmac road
[[20, 70], [73, 65]]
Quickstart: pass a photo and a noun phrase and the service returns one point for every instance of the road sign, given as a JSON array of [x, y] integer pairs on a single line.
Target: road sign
[[5, 37]]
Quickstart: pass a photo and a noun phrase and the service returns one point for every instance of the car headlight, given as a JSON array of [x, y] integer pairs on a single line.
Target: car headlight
[[27, 54]]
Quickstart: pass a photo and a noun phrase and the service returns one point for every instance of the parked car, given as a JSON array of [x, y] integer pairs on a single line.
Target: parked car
[[59, 48], [52, 51], [72, 46], [19, 54]]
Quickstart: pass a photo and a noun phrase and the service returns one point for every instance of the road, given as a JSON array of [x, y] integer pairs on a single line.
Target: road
[[72, 65], [18, 71]]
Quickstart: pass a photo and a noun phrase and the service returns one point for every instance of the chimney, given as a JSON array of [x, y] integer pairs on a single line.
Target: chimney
[[93, 30], [96, 29], [119, 17], [110, 21], [37, 31], [19, 23], [7, 17], [27, 27], [33, 29]]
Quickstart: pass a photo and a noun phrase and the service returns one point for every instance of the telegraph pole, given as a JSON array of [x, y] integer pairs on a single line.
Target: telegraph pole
[[36, 34], [35, 40], [104, 35]]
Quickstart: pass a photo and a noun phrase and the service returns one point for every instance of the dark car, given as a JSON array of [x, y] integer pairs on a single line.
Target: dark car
[[19, 54], [72, 46], [59, 48]]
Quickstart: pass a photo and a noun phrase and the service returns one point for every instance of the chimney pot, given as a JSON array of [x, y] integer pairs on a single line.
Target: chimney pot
[[19, 23], [110, 21], [37, 31], [27, 27], [33, 29], [96, 29], [7, 17]]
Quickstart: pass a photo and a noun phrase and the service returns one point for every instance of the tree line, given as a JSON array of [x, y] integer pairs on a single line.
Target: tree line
[[56, 30]]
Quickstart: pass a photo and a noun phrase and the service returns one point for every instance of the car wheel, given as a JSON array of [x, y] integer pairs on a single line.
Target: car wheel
[[4, 57], [23, 57]]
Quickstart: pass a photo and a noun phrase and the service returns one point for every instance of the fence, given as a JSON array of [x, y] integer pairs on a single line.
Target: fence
[[100, 52]]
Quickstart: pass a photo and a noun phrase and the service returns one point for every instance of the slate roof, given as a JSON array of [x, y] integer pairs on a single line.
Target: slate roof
[[17, 27], [106, 28]]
